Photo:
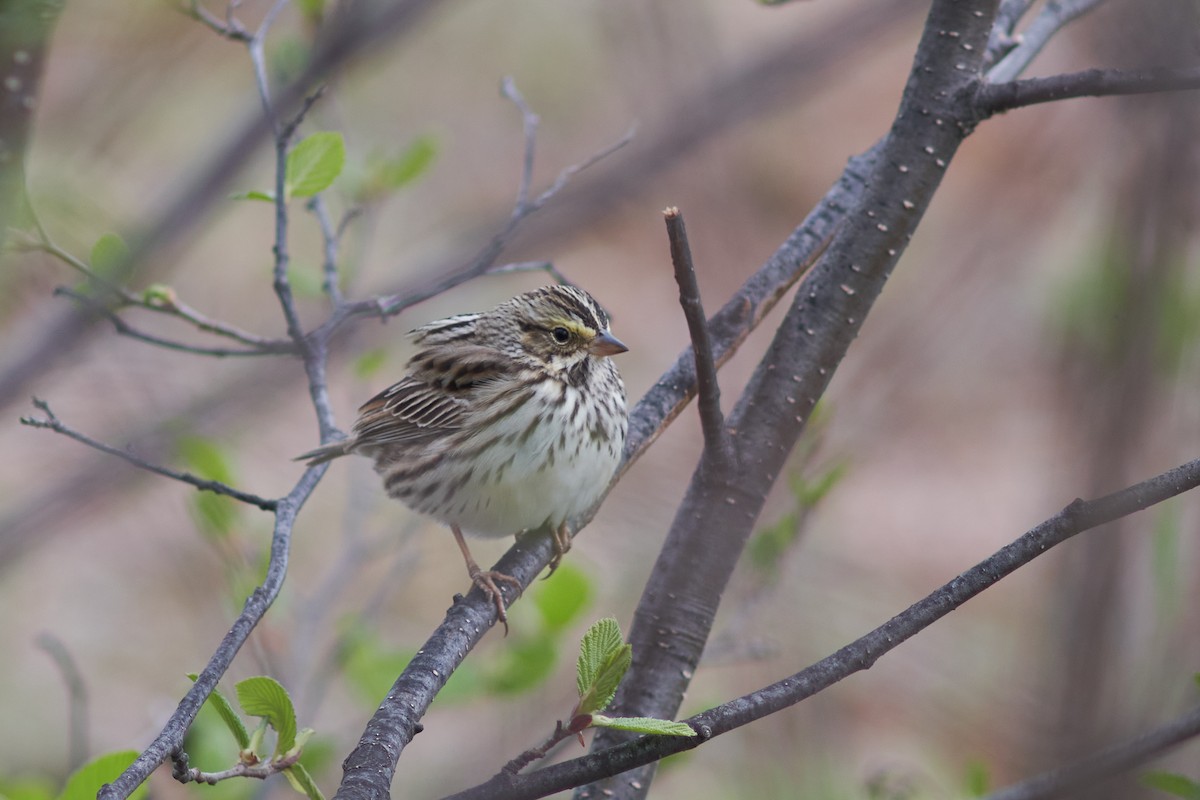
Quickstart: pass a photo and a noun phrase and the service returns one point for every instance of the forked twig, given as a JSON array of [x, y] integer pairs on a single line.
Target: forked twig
[[52, 422]]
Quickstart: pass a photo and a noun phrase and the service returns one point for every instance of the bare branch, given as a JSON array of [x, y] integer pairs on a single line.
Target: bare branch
[[529, 125], [1073, 778], [77, 698], [181, 772], [261, 348], [170, 738], [717, 444], [52, 422], [859, 655], [1003, 37], [331, 240], [393, 304], [1053, 17], [996, 98], [231, 29]]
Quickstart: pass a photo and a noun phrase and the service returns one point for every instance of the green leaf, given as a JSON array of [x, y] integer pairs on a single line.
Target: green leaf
[[205, 458], [370, 362], [810, 492], [109, 256], [314, 163], [600, 641], [524, 665], [86, 781], [978, 781], [313, 10], [1171, 783], [232, 721], [215, 514], [659, 727], [159, 295], [409, 165], [563, 597], [265, 697], [254, 194], [302, 782], [29, 787]]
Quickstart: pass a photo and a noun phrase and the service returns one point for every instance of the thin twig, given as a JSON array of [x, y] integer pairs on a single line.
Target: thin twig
[[331, 240], [995, 98], [1052, 18], [560, 734], [184, 774], [529, 125], [260, 347], [77, 698], [170, 738], [1074, 778], [717, 444], [857, 656], [52, 422], [1003, 37], [482, 264], [231, 29]]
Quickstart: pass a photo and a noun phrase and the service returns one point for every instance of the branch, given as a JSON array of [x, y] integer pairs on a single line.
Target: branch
[[123, 328], [184, 774], [52, 422], [170, 739], [370, 766], [996, 98], [482, 263], [1107, 763], [857, 656], [717, 444], [1054, 16], [719, 512], [77, 698]]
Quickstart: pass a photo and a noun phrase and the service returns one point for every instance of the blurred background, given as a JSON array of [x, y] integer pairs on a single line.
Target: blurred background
[[1037, 343]]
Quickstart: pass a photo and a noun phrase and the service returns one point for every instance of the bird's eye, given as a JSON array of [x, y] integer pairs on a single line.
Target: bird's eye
[[561, 335]]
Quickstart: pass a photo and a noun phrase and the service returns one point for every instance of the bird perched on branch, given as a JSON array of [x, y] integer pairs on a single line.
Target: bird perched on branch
[[508, 420]]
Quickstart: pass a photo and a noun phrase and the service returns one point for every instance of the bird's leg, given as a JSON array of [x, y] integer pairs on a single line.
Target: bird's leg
[[486, 579], [561, 537]]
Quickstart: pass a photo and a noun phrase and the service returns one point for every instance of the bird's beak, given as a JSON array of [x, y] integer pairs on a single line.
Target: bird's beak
[[605, 344]]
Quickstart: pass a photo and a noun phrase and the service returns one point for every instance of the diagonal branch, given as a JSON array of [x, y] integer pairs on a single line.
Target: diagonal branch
[[1053, 17], [1069, 780], [52, 422], [857, 656], [170, 738]]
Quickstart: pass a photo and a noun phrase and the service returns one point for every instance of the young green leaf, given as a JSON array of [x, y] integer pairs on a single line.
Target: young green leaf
[[608, 677], [314, 163], [232, 721], [523, 666], [265, 697], [409, 165], [563, 597], [215, 514], [658, 727], [600, 641], [254, 194], [302, 782], [977, 780], [1172, 783], [109, 255], [86, 781]]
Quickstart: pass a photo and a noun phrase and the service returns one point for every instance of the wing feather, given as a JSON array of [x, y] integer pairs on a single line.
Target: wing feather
[[434, 399]]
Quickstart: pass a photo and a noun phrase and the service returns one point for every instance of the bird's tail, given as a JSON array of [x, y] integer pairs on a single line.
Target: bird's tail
[[326, 452]]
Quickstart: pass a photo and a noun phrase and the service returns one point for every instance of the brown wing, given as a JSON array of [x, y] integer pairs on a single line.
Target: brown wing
[[434, 398]]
